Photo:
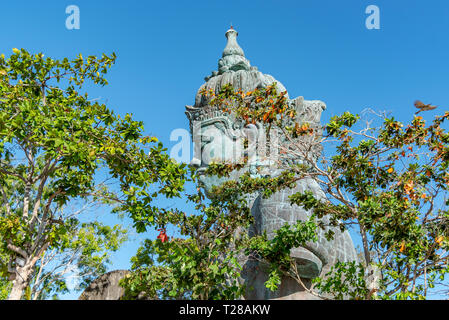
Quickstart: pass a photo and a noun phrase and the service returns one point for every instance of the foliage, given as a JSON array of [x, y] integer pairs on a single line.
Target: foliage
[[56, 145], [390, 181], [344, 280], [203, 263], [5, 287], [5, 284], [83, 255]]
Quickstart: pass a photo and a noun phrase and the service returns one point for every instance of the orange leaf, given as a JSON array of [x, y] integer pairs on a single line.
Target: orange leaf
[[265, 117], [408, 186]]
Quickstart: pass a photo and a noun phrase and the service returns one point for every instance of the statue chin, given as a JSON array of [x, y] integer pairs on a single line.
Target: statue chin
[[208, 182]]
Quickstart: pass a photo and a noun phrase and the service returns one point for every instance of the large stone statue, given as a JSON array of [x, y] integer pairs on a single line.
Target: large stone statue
[[216, 136]]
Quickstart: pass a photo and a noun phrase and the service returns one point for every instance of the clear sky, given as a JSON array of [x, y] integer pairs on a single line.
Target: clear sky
[[318, 49]]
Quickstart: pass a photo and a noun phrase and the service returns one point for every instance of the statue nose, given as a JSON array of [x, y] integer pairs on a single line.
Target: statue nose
[[195, 162]]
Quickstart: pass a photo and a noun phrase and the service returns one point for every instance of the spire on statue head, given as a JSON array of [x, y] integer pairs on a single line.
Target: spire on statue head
[[232, 47], [233, 58]]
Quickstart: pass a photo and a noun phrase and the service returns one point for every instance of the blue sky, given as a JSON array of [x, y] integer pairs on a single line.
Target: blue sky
[[318, 49]]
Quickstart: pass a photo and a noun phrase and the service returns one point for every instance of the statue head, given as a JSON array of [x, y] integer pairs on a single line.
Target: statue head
[[217, 135], [220, 138]]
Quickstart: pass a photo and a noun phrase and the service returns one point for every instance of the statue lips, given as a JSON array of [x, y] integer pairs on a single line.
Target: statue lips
[[207, 182]]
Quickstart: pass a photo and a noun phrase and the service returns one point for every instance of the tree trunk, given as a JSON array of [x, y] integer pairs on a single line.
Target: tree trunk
[[20, 282], [16, 291]]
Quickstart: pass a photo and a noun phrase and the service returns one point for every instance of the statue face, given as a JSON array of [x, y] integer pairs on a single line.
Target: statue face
[[216, 141], [219, 140]]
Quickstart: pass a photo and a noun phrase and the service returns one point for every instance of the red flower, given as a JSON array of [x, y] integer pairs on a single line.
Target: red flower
[[162, 235]]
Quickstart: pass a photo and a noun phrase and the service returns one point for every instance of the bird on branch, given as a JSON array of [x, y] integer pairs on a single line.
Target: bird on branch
[[423, 107]]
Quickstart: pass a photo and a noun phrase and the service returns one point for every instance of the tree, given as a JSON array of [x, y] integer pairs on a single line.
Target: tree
[[57, 146], [200, 262], [82, 256], [388, 183]]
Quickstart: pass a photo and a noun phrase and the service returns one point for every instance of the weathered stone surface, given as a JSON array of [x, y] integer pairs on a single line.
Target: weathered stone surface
[[105, 287], [256, 276], [270, 214]]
